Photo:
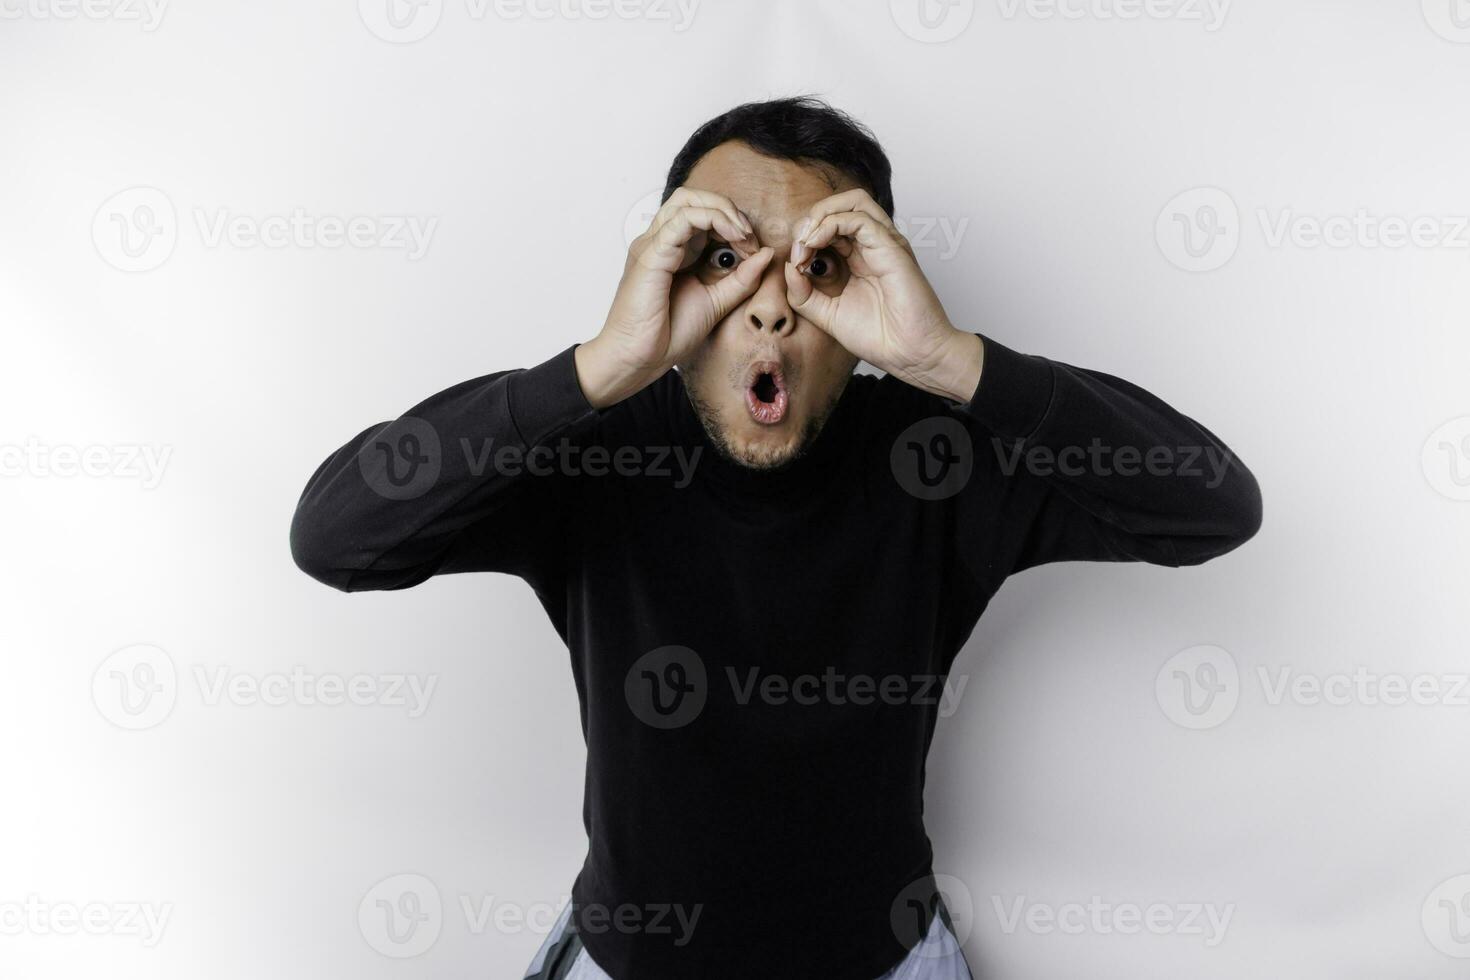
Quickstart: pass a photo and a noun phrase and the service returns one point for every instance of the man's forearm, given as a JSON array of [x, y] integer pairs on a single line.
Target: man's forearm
[[383, 511], [956, 372], [1137, 478], [603, 385], [605, 378]]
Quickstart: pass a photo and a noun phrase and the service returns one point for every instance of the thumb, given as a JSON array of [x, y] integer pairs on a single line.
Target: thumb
[[732, 290], [807, 301]]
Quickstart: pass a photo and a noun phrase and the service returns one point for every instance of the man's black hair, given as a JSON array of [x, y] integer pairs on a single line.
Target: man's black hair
[[801, 128]]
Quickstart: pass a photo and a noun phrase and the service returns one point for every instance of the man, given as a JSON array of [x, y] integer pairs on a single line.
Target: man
[[762, 564]]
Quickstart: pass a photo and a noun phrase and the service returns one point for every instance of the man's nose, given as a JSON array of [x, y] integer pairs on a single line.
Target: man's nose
[[767, 312]]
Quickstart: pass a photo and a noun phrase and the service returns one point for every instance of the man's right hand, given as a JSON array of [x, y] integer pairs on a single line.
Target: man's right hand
[[663, 310]]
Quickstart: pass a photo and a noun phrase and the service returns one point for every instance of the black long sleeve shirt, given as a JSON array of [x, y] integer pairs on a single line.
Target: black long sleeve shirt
[[708, 611]]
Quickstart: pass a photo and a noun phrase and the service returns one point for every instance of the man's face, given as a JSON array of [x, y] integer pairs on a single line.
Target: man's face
[[764, 381]]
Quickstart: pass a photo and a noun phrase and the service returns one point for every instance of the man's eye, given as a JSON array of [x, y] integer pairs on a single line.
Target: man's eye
[[724, 257], [822, 266]]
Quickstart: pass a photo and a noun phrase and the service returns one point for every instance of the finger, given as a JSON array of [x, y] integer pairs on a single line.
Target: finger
[[735, 288], [668, 249], [858, 199], [689, 197], [809, 302], [853, 225]]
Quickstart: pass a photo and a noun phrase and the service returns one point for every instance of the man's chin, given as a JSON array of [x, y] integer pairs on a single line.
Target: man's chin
[[759, 447], [764, 450], [745, 441]]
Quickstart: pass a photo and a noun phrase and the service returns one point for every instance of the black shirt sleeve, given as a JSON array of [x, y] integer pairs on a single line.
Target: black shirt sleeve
[[464, 481], [1074, 464]]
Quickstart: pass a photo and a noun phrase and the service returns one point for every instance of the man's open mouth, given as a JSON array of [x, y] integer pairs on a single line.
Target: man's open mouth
[[765, 392]]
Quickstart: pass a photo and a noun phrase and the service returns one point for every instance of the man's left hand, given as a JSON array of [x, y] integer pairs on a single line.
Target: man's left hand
[[886, 313]]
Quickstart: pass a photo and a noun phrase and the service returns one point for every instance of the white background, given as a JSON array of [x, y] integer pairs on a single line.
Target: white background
[[1055, 146]]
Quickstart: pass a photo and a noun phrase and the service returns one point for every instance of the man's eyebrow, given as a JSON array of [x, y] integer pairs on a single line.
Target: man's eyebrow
[[759, 220]]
